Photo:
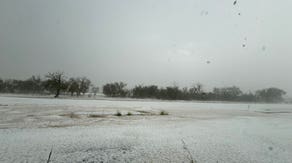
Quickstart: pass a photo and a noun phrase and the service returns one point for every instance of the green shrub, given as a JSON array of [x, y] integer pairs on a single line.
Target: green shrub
[[129, 114], [96, 116], [163, 112], [118, 113]]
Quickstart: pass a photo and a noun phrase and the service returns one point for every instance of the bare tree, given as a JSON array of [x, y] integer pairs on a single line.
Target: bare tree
[[196, 89], [84, 85], [116, 89], [56, 82]]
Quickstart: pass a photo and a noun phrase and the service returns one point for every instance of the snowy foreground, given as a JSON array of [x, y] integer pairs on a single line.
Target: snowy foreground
[[88, 131]]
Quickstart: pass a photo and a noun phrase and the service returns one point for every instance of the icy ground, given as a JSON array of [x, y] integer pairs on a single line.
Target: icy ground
[[88, 131]]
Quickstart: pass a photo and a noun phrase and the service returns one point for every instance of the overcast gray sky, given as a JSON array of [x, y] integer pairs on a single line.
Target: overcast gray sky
[[151, 41]]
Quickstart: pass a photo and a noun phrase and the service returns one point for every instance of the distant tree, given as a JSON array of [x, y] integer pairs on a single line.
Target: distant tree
[[56, 82], [227, 93], [196, 91], [145, 91], [138, 92], [152, 91], [116, 89], [110, 90], [170, 93], [270, 95], [73, 85], [173, 93], [247, 97], [84, 85], [186, 94], [10, 86]]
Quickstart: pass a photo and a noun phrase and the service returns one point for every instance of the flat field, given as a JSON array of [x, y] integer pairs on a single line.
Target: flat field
[[90, 131]]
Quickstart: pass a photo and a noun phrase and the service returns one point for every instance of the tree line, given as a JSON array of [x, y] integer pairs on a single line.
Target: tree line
[[58, 83], [196, 92], [52, 83]]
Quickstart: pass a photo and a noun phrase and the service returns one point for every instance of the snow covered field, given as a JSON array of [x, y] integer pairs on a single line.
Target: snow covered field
[[88, 131]]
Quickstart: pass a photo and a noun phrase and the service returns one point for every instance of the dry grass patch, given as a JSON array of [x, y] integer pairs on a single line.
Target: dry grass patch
[[118, 113], [129, 114], [71, 115], [96, 116]]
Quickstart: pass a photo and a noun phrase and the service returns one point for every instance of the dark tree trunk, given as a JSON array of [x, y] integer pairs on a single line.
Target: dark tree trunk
[[58, 87], [57, 93]]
